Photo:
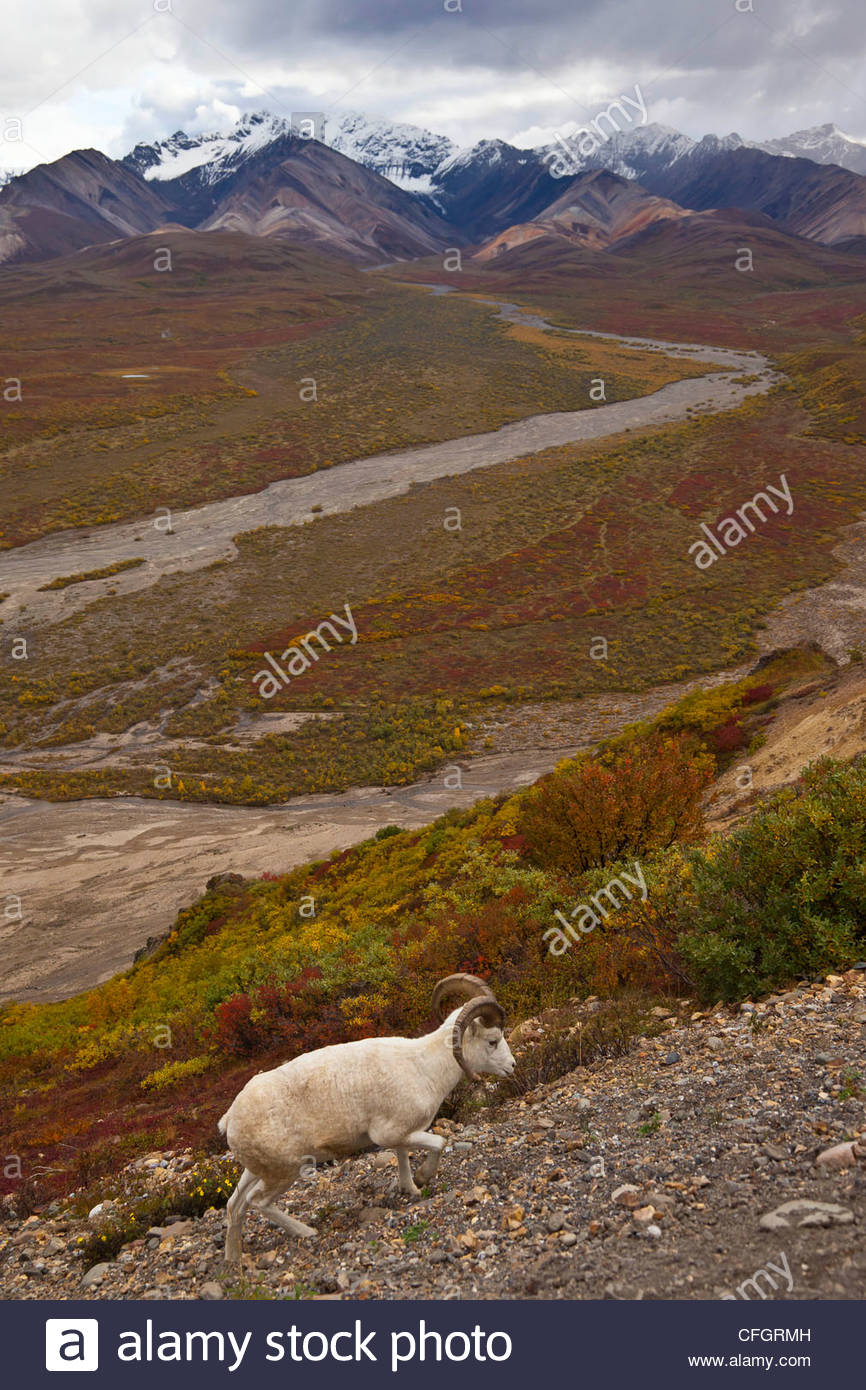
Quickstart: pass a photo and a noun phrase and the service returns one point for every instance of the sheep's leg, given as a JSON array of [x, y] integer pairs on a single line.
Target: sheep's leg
[[434, 1143], [262, 1204], [407, 1182], [236, 1210]]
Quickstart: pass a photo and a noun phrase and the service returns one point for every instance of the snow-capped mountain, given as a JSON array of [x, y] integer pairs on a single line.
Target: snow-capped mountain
[[370, 190], [825, 144], [637, 149], [405, 154], [479, 188], [491, 186], [624, 153], [215, 156]]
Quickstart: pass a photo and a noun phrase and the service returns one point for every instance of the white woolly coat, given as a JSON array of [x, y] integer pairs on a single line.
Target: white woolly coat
[[341, 1100]]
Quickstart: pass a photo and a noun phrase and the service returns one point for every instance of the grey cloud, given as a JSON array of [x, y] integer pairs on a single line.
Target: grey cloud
[[494, 69]]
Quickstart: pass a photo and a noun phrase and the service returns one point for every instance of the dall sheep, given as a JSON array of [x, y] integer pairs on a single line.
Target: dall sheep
[[346, 1099]]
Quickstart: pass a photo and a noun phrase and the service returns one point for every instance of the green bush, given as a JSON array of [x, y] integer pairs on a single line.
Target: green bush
[[784, 896]]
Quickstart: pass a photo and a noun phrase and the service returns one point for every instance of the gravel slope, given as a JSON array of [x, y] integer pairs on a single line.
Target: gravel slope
[[714, 1124]]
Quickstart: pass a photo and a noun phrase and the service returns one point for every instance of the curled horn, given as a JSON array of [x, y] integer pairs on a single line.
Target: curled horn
[[469, 986], [485, 1008]]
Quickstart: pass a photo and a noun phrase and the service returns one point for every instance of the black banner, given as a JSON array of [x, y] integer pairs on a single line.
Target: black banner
[[320, 1343]]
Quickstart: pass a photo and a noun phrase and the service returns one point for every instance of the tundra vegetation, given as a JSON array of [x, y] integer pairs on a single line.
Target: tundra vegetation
[[551, 551], [276, 363], [248, 978]]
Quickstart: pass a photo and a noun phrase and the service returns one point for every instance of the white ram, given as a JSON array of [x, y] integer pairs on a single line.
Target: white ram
[[342, 1100]]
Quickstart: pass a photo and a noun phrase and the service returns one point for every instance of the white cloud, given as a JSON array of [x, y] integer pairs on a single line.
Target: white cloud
[[111, 72]]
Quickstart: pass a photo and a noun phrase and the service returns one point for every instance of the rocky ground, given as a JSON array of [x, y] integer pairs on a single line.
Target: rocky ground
[[667, 1173]]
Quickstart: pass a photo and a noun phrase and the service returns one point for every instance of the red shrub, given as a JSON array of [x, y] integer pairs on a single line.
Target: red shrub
[[757, 694], [294, 1015], [728, 737], [235, 1030]]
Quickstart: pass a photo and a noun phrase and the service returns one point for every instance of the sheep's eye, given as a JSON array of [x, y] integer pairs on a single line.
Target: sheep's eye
[[493, 1043]]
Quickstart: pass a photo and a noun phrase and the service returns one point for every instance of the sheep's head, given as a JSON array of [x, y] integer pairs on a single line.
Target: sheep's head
[[477, 1040]]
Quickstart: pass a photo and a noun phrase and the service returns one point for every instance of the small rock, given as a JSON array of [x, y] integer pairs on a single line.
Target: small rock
[[841, 1156], [775, 1151], [644, 1214], [368, 1216], [806, 1209], [715, 1043], [627, 1196], [211, 1290], [95, 1275], [177, 1228], [568, 1238], [661, 1201], [654, 1231], [555, 1221], [527, 1031], [671, 1059]]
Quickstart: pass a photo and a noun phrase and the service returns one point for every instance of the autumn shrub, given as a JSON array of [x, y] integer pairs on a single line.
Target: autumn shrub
[[173, 1072], [728, 738], [640, 797], [385, 831], [757, 694], [783, 896], [296, 1014]]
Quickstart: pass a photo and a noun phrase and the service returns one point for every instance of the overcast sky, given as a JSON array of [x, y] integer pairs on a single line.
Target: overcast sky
[[108, 73]]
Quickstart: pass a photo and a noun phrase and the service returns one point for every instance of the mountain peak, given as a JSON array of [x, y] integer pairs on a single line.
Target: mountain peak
[[405, 154]]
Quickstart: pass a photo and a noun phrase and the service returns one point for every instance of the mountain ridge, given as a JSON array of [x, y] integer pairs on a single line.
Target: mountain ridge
[[371, 191]]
